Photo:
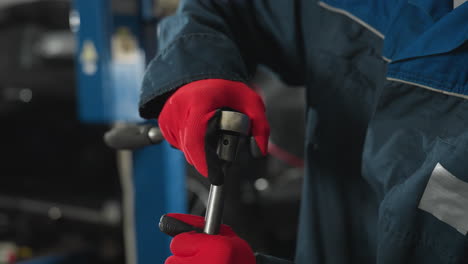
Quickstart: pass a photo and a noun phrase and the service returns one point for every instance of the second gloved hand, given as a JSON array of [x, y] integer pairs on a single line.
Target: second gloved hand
[[199, 248], [185, 119]]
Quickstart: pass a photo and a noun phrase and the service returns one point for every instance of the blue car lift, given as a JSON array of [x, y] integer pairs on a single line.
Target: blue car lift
[[111, 58]]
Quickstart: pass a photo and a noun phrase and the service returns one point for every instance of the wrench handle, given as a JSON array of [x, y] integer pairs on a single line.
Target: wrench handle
[[214, 210]]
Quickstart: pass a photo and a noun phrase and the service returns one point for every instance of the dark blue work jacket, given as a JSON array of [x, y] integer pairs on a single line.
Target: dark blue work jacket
[[387, 120]]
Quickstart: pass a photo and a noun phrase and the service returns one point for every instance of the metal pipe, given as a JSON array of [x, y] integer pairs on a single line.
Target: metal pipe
[[232, 125], [214, 210]]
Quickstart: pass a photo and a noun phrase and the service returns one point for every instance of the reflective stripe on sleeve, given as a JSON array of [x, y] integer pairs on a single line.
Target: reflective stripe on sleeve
[[446, 198]]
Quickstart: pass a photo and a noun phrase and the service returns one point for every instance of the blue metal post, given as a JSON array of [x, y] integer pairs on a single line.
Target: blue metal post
[[93, 59], [151, 202], [110, 68]]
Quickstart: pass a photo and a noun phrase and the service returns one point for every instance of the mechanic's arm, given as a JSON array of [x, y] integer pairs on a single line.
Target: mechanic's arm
[[199, 248], [206, 54], [223, 39]]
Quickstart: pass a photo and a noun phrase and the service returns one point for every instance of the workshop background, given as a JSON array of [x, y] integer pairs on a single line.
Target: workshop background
[[69, 72]]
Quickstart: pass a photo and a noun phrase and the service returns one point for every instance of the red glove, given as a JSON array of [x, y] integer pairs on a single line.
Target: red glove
[[184, 119], [199, 248]]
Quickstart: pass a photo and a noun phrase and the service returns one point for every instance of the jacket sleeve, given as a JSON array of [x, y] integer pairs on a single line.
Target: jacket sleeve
[[223, 39]]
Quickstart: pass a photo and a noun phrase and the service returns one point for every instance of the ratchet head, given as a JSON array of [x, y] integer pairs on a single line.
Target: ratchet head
[[232, 126]]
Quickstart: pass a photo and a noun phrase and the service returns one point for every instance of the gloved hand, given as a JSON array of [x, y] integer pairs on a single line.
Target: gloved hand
[[185, 119], [199, 248]]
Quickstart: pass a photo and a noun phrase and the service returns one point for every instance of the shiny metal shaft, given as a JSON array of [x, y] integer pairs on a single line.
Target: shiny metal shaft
[[232, 124], [214, 210]]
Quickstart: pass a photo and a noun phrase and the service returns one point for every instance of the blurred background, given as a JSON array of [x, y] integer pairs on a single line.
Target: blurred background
[[69, 72]]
